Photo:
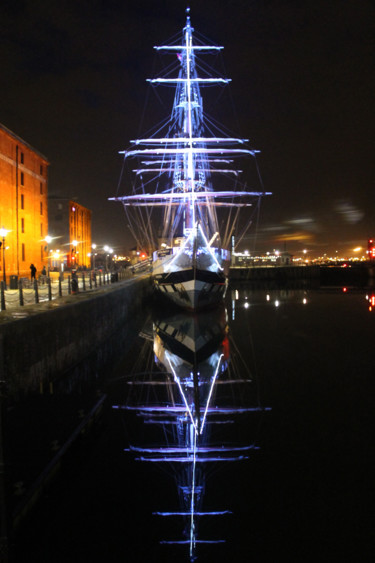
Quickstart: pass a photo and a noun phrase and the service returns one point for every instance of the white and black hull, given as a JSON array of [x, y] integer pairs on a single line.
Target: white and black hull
[[191, 289]]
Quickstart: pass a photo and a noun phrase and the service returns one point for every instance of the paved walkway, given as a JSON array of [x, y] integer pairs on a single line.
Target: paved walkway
[[27, 294]]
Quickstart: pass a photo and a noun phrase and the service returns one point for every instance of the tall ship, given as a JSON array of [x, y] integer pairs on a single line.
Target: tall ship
[[184, 179]]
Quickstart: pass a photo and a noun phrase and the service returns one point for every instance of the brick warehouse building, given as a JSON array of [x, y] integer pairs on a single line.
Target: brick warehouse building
[[70, 230], [23, 205]]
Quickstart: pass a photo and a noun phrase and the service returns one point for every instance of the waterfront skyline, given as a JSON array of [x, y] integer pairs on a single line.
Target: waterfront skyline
[[74, 85]]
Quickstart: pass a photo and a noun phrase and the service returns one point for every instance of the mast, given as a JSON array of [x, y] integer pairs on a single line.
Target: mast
[[182, 160]]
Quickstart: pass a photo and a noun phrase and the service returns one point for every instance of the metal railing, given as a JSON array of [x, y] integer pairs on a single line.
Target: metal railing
[[47, 289]]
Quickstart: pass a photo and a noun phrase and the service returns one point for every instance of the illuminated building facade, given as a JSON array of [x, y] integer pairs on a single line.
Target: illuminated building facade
[[23, 205], [371, 249], [80, 235], [70, 229]]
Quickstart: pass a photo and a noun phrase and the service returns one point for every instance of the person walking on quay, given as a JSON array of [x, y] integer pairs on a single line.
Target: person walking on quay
[[33, 272]]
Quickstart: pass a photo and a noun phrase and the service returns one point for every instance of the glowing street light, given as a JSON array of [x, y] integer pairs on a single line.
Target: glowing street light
[[109, 251], [3, 234], [48, 240], [93, 254], [74, 244]]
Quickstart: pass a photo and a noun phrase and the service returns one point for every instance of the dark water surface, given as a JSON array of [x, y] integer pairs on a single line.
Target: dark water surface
[[306, 495]]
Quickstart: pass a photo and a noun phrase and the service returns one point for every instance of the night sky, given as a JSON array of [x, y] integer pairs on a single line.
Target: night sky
[[73, 85]]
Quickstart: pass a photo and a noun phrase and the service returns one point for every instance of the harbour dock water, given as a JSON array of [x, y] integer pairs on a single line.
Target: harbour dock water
[[54, 364], [305, 494], [53, 359]]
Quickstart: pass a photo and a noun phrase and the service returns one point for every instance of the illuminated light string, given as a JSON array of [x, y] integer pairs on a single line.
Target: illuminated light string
[[166, 140], [194, 150], [193, 48], [213, 513], [184, 542], [198, 80], [183, 395], [164, 170], [185, 459], [191, 172], [210, 393], [145, 410], [183, 195], [180, 449], [192, 507], [209, 248]]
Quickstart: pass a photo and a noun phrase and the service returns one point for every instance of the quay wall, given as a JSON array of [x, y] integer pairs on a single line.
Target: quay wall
[[358, 275], [40, 349], [274, 273]]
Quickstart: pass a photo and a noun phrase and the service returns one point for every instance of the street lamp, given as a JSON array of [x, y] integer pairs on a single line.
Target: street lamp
[[108, 251], [3, 234], [74, 244], [93, 246], [48, 240]]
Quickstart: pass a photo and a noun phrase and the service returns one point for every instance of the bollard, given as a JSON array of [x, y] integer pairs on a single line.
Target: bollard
[[60, 288], [90, 280], [20, 292], [2, 296], [100, 278], [49, 289], [69, 286], [36, 291], [83, 282]]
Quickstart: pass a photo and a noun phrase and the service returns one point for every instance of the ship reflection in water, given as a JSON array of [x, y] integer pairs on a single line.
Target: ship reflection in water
[[192, 397]]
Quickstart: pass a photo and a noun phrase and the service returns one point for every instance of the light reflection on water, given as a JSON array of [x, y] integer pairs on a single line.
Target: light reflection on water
[[305, 354], [194, 393], [306, 494]]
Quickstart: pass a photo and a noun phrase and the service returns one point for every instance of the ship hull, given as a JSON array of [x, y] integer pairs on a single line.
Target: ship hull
[[191, 289]]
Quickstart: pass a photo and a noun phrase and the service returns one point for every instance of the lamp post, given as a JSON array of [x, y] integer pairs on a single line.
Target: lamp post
[[3, 234], [74, 244], [48, 240], [108, 252], [93, 246]]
